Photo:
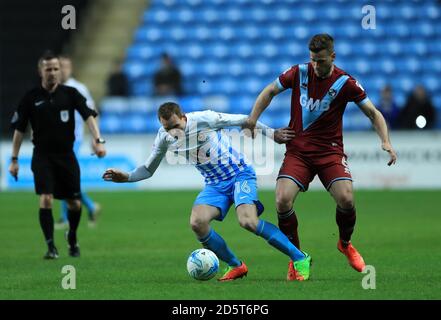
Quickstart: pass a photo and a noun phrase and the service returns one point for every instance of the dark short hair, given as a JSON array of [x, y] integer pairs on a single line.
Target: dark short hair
[[47, 55], [322, 41], [166, 110]]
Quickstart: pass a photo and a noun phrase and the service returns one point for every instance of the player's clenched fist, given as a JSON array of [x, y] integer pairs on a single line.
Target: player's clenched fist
[[115, 175], [13, 169], [99, 149]]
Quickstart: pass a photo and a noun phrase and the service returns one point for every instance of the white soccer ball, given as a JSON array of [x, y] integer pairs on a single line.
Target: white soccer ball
[[202, 264]]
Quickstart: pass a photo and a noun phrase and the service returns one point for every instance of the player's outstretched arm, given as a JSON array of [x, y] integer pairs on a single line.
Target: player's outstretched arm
[[219, 120], [144, 171], [380, 127], [115, 175]]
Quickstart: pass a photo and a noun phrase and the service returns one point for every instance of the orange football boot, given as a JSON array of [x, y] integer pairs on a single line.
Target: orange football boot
[[233, 273], [354, 257]]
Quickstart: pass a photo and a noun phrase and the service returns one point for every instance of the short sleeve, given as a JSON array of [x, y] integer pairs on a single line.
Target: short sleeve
[[286, 79], [354, 91], [20, 119], [86, 94], [81, 106]]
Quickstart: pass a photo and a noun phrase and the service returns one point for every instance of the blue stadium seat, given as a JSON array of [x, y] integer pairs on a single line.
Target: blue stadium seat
[[110, 124], [135, 123], [186, 16], [431, 65], [241, 103], [114, 105], [141, 105], [191, 103], [142, 87], [235, 15], [217, 51], [431, 82], [136, 69], [152, 125], [383, 11], [211, 68], [201, 33]]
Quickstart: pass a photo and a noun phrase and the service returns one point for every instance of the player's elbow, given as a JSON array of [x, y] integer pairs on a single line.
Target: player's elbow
[[374, 115], [378, 120]]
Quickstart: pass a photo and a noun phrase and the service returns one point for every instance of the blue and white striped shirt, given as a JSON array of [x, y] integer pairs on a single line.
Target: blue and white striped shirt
[[204, 145]]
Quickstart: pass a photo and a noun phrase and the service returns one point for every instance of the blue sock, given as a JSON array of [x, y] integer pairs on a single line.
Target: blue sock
[[277, 239], [215, 243], [64, 211], [88, 203]]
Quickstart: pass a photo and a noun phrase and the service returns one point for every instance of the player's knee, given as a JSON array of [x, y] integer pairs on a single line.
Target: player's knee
[[198, 223], [248, 223], [74, 205], [247, 218], [346, 201], [46, 201], [283, 201]]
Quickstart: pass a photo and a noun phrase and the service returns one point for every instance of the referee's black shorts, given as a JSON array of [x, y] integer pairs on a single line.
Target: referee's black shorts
[[56, 174]]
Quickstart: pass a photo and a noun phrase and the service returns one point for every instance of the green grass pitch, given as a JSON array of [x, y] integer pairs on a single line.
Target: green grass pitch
[[140, 246]]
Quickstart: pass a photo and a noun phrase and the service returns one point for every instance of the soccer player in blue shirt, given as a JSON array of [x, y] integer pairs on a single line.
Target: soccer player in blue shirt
[[229, 179]]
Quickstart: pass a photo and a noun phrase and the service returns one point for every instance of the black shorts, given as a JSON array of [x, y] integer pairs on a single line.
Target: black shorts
[[56, 174]]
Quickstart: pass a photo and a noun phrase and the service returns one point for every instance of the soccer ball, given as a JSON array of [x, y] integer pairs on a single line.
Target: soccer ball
[[202, 264]]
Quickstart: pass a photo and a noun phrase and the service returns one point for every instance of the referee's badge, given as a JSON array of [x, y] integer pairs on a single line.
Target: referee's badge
[[14, 117], [64, 115]]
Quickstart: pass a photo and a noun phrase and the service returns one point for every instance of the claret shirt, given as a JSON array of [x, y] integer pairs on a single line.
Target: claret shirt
[[317, 106]]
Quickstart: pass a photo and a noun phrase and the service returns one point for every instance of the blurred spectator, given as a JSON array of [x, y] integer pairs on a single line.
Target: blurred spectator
[[388, 106], [167, 79], [117, 83], [418, 112]]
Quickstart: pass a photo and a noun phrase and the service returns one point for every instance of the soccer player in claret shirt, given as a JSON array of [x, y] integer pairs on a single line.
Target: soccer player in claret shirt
[[229, 178], [320, 92]]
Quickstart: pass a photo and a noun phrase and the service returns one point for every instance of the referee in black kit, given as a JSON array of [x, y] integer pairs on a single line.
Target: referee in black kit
[[50, 109]]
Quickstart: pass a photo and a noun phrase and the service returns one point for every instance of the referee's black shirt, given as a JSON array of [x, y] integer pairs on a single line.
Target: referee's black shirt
[[52, 117]]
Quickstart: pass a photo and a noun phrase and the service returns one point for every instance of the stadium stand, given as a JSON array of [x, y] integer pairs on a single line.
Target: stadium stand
[[21, 45], [230, 49]]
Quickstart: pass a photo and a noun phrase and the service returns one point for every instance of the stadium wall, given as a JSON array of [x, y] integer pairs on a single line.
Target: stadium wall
[[418, 166]]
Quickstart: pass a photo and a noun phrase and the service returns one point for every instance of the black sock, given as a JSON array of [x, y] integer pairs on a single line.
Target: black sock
[[47, 225], [288, 224], [74, 220], [345, 219]]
